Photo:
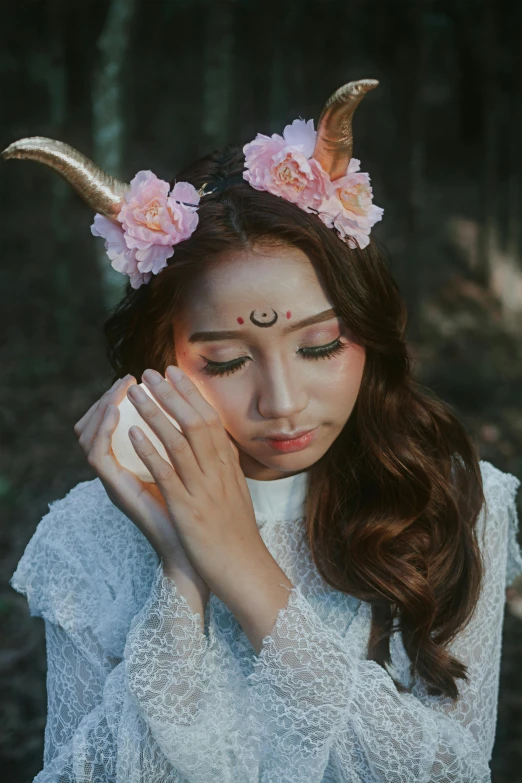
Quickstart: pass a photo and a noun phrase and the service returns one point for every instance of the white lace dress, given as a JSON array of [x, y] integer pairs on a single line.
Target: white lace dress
[[138, 694]]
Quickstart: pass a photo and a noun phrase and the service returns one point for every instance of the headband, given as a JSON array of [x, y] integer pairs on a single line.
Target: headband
[[141, 222]]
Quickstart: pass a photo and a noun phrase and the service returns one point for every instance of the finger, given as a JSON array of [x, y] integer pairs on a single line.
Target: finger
[[115, 477], [113, 396], [162, 471], [80, 424], [190, 393], [100, 456], [194, 427], [92, 423], [143, 503], [194, 424], [176, 444]]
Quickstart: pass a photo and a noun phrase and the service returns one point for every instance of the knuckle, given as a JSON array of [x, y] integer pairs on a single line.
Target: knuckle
[[165, 392], [195, 423], [164, 472], [149, 413], [91, 459], [178, 446], [145, 449], [212, 420], [171, 444]]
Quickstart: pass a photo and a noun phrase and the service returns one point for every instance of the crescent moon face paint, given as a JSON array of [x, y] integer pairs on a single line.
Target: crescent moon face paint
[[259, 318]]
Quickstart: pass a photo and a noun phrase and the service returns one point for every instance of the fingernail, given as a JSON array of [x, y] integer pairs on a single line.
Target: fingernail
[[137, 394], [153, 377], [175, 373], [135, 433], [115, 384]]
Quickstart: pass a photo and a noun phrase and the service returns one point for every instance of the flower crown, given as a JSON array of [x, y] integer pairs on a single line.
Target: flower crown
[[142, 222]]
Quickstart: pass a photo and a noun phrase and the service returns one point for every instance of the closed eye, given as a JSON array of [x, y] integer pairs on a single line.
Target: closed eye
[[317, 352]]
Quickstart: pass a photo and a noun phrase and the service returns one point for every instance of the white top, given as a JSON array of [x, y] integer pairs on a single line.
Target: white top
[[138, 694]]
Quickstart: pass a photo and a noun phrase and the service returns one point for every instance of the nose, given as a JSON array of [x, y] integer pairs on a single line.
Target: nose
[[281, 393]]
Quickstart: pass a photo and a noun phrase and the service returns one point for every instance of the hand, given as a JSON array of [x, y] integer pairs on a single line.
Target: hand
[[205, 491], [141, 502]]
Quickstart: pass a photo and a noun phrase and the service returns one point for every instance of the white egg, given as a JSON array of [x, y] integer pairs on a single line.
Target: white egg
[[122, 445]]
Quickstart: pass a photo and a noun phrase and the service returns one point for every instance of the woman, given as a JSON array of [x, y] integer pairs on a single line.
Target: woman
[[313, 587]]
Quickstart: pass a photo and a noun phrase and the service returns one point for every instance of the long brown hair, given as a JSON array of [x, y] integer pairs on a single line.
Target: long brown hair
[[392, 506]]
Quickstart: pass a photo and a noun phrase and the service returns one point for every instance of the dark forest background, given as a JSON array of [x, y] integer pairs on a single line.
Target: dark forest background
[[153, 84]]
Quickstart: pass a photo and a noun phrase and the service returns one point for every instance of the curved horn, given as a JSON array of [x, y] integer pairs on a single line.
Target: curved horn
[[102, 192], [334, 143]]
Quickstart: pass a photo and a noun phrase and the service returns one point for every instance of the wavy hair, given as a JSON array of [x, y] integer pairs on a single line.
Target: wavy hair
[[392, 506]]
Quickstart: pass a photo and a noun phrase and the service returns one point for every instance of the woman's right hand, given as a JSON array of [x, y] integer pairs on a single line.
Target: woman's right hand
[[142, 502]]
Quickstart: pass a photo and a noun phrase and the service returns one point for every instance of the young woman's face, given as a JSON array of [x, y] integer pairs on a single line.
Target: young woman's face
[[268, 377]]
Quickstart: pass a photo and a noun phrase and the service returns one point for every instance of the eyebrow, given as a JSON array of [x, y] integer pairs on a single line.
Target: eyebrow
[[204, 337]]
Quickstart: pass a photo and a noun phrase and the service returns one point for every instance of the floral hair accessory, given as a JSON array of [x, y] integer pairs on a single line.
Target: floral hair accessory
[[287, 166], [152, 222], [284, 166], [142, 222]]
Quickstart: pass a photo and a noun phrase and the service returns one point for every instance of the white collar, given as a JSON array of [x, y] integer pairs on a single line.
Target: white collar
[[280, 498]]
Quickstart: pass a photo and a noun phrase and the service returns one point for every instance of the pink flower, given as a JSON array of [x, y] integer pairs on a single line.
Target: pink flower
[[283, 165], [348, 207], [152, 223], [122, 258]]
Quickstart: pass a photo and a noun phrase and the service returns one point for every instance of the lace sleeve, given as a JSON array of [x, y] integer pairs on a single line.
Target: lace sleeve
[[315, 703], [167, 709], [194, 701], [161, 714]]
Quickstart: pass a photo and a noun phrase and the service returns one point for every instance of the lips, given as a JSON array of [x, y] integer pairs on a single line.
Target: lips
[[289, 445], [296, 435]]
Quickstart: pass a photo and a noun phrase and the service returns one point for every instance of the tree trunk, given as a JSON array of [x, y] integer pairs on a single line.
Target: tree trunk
[[109, 121], [218, 74], [55, 76]]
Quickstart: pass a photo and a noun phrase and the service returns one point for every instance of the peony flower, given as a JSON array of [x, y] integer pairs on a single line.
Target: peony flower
[[122, 258], [283, 165], [152, 222], [348, 207]]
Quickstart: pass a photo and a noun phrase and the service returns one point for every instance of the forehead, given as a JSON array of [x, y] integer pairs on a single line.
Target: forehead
[[282, 278]]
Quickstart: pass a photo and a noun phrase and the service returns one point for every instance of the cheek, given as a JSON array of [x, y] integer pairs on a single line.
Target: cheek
[[341, 384], [228, 399], [340, 376], [226, 395]]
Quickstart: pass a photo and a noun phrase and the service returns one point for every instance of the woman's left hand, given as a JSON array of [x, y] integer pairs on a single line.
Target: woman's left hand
[[205, 490]]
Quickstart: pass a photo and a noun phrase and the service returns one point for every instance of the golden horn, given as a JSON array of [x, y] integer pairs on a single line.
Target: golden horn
[[103, 193], [334, 143]]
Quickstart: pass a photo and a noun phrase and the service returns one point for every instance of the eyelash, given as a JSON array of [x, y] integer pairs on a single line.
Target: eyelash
[[319, 352]]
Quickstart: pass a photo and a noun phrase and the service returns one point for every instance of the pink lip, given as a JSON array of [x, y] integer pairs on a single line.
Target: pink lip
[[294, 444]]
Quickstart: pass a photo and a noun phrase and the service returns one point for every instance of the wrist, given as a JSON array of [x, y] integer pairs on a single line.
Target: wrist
[[189, 585]]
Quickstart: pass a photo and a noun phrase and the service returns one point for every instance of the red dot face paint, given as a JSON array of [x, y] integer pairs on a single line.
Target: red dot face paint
[[288, 313], [240, 320]]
